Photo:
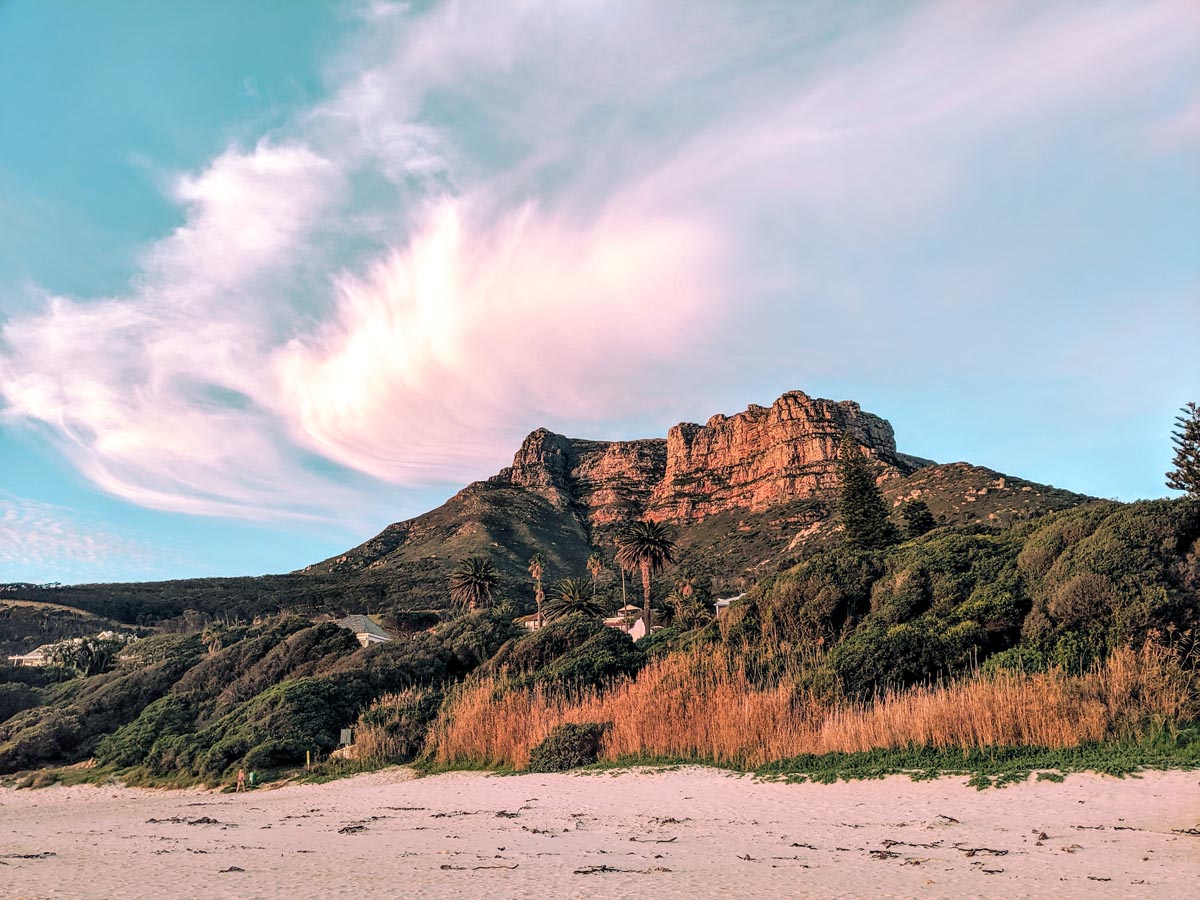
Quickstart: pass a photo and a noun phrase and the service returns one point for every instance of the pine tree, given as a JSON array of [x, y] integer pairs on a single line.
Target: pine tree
[[1186, 438], [864, 514], [917, 518]]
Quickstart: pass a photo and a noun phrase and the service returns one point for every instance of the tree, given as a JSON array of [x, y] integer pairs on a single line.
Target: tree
[[572, 597], [645, 547], [88, 655], [689, 610], [595, 565], [917, 518], [473, 582], [1186, 438], [537, 568], [864, 514]]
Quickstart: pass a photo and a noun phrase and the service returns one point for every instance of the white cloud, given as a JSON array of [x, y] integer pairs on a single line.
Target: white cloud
[[39, 537], [507, 214]]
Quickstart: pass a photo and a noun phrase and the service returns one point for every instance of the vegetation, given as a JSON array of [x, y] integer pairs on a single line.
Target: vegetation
[[718, 708], [1185, 474], [860, 502], [1073, 636], [568, 746], [595, 565], [92, 655], [473, 583], [646, 548], [571, 596], [1068, 631], [537, 568], [918, 519]]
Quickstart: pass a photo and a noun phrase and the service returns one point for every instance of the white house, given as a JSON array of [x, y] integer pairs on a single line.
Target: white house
[[366, 629], [530, 622], [32, 658], [723, 604], [629, 620]]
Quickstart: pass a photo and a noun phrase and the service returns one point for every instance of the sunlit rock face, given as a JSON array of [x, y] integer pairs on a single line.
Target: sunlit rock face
[[753, 460]]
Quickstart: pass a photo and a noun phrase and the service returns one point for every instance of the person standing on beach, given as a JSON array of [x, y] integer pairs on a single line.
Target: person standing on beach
[[241, 780]]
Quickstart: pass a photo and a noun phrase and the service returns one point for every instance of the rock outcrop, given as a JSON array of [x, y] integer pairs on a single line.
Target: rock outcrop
[[753, 460], [748, 491]]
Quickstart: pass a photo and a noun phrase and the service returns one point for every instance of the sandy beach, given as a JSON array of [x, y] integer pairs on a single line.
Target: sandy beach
[[678, 833]]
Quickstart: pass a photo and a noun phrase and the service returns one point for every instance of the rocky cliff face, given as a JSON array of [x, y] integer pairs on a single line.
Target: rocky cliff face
[[750, 491], [753, 460]]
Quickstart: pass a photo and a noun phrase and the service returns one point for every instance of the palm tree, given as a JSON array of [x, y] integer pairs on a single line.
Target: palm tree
[[595, 565], [537, 567], [645, 547], [572, 597], [473, 582]]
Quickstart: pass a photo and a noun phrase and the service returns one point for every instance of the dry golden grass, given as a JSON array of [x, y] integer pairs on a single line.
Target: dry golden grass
[[707, 706]]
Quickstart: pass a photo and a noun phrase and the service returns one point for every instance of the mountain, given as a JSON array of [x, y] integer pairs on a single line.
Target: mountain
[[746, 495], [746, 492]]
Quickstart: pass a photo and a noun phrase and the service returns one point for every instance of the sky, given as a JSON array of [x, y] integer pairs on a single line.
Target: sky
[[275, 275]]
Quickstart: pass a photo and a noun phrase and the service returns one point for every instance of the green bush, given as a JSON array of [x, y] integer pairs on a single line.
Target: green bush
[[541, 648], [880, 656], [1023, 658], [130, 745], [606, 655], [14, 698], [814, 601], [36, 736], [306, 712], [568, 747], [273, 755], [663, 641]]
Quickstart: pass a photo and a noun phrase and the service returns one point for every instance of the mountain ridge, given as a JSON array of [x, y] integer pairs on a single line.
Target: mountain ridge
[[744, 490]]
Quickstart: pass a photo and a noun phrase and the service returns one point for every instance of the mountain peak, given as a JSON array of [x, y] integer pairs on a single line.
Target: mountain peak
[[752, 459], [745, 488]]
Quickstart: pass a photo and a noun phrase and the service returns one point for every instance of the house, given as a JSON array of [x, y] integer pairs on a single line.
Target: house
[[529, 622], [629, 620], [32, 658], [721, 605], [366, 629], [625, 617]]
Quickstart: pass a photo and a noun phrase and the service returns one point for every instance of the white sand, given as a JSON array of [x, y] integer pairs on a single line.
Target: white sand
[[690, 832]]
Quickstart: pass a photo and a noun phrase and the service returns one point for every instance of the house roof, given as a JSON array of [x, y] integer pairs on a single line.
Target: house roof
[[361, 624]]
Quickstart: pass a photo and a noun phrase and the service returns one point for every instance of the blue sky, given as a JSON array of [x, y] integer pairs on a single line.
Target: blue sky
[[274, 275]]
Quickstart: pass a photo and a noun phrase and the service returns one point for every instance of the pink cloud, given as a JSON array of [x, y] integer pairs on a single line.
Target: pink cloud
[[404, 293], [451, 342]]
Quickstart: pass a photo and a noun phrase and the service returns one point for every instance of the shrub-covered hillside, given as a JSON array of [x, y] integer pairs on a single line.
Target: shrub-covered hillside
[[1062, 594], [193, 706], [1062, 590]]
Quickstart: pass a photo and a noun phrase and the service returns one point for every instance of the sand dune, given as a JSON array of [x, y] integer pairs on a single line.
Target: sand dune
[[682, 833]]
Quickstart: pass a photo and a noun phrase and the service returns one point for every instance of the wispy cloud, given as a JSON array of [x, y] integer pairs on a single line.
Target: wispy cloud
[[40, 538], [513, 213]]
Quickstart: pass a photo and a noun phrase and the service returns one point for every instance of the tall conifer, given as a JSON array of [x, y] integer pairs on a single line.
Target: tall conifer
[[1186, 474], [864, 514]]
